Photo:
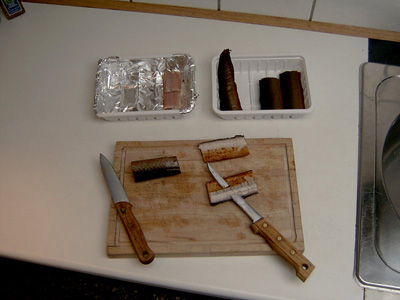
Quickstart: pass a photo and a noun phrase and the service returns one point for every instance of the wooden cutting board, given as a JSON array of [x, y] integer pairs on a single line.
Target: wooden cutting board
[[176, 216]]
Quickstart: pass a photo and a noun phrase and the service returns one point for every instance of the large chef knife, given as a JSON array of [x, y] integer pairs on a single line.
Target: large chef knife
[[263, 228], [124, 208]]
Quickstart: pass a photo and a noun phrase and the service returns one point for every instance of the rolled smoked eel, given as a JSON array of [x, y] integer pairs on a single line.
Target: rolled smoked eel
[[242, 184], [292, 91], [270, 93], [155, 168], [227, 89], [221, 149]]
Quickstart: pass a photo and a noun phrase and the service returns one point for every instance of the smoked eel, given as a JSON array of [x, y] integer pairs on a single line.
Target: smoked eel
[[228, 95], [155, 168], [242, 184], [270, 93], [221, 149], [172, 90], [292, 91]]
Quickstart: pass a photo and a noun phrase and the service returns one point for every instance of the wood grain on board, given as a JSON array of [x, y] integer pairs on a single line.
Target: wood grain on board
[[175, 213]]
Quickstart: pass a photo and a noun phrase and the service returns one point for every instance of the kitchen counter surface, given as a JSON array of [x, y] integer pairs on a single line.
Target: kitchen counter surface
[[54, 204]]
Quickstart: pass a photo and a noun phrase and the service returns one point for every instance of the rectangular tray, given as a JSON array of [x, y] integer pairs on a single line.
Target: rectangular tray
[[248, 71], [132, 88], [175, 213]]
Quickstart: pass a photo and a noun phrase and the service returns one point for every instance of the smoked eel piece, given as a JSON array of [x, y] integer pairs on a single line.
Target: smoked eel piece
[[155, 168], [292, 91], [242, 184], [228, 95], [172, 89], [270, 93], [222, 149]]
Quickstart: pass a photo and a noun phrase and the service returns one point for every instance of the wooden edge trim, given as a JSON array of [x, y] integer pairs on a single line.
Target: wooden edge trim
[[248, 18]]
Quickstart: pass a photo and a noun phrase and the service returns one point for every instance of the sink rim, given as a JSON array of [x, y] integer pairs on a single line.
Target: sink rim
[[370, 270]]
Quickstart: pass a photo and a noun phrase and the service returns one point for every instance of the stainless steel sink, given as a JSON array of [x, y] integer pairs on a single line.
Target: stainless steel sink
[[377, 259]]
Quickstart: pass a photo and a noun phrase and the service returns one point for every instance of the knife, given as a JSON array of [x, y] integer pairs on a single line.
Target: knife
[[263, 228], [124, 208]]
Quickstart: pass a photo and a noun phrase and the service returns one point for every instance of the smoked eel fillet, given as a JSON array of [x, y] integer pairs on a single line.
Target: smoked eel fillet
[[172, 90], [155, 168], [292, 91], [242, 184], [270, 93], [227, 89], [222, 149]]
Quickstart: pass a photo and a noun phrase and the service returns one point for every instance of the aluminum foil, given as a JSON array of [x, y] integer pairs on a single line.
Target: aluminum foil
[[136, 84]]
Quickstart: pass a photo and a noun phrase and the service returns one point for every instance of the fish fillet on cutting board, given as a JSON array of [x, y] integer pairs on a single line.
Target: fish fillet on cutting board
[[175, 212]]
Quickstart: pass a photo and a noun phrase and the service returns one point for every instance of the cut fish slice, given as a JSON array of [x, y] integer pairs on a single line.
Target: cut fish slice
[[155, 168], [172, 89], [242, 184], [222, 149]]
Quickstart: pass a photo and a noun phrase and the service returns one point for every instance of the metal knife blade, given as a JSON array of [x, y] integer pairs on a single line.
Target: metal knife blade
[[124, 208], [114, 185], [263, 228], [218, 178]]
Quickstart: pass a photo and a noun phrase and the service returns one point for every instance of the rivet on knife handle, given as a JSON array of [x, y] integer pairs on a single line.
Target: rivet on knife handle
[[284, 248], [135, 233], [261, 227]]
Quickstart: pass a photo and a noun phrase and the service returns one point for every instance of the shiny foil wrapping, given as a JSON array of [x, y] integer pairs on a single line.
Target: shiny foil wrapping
[[137, 84]]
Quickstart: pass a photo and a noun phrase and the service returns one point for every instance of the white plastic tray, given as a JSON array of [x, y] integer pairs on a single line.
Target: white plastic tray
[[248, 71]]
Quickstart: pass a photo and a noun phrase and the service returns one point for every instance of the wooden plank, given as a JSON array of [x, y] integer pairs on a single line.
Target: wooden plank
[[232, 17], [176, 216]]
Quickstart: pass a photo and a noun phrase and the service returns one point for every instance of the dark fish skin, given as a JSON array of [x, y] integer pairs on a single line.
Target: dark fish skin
[[228, 95], [292, 91], [155, 168], [270, 93]]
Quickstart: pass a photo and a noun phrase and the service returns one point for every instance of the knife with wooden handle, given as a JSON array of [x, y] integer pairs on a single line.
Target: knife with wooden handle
[[263, 228], [124, 208]]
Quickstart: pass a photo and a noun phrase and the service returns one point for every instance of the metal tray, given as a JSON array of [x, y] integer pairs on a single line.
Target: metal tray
[[132, 89]]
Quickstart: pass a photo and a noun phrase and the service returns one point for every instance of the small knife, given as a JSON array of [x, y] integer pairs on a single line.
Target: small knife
[[124, 208], [263, 228]]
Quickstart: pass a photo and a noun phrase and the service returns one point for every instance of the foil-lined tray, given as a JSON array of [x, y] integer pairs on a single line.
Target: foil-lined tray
[[145, 88]]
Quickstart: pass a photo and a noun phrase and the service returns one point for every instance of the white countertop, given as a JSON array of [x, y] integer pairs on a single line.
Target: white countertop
[[54, 204]]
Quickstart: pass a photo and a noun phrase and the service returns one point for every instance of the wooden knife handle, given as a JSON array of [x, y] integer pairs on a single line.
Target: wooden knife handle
[[135, 233], [284, 248]]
